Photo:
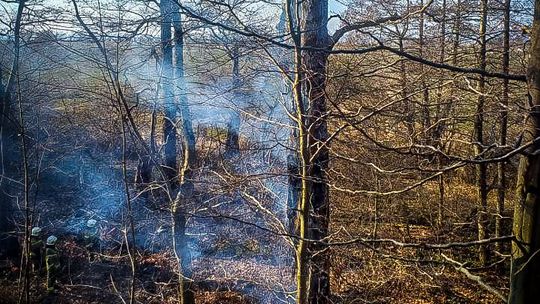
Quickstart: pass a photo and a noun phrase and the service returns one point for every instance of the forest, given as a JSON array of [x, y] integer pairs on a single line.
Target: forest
[[269, 151]]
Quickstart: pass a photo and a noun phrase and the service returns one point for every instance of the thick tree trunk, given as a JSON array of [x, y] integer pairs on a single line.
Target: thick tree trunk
[[525, 267], [481, 169], [315, 35]]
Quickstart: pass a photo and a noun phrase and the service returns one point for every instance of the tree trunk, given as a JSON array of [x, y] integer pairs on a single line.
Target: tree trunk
[[170, 110], [501, 178], [439, 128], [293, 193], [186, 191], [315, 36], [481, 169], [293, 161], [409, 106], [426, 115], [525, 267], [232, 147], [10, 149]]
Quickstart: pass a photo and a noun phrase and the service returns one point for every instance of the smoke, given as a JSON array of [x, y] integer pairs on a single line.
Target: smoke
[[80, 175]]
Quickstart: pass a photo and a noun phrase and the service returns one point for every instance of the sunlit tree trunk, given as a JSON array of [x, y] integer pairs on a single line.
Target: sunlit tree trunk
[[525, 267], [303, 206], [481, 169], [293, 166]]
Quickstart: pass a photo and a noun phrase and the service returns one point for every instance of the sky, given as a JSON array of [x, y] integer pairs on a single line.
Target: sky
[[334, 7]]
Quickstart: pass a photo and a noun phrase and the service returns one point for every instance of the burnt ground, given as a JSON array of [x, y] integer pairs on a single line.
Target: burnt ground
[[233, 273], [235, 264], [106, 279], [234, 261]]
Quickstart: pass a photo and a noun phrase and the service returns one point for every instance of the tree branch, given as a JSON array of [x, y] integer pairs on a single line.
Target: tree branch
[[361, 25], [459, 267]]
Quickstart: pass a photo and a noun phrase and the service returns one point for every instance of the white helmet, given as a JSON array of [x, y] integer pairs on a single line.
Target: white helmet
[[91, 223], [36, 231], [51, 240]]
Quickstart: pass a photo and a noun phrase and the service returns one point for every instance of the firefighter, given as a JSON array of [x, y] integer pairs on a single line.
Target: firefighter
[[52, 262], [36, 249], [91, 237]]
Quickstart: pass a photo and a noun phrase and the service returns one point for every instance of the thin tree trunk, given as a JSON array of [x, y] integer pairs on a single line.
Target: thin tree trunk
[[302, 217], [409, 106], [439, 128], [170, 109], [481, 169], [232, 145], [188, 136], [426, 119], [377, 199], [10, 147], [293, 194], [501, 166], [186, 193], [409, 109], [293, 162], [26, 196], [130, 243], [143, 176], [525, 266]]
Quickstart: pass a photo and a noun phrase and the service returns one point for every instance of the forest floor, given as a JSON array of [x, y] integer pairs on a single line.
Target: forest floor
[[242, 277], [236, 262]]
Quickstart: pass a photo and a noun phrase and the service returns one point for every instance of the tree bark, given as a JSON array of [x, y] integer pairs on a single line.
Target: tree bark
[[525, 267]]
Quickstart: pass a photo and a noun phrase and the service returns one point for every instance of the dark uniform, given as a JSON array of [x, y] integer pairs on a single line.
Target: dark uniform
[[52, 260], [36, 252], [91, 239]]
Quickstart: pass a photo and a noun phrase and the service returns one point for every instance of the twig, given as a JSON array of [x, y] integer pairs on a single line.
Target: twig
[[116, 290], [459, 267]]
